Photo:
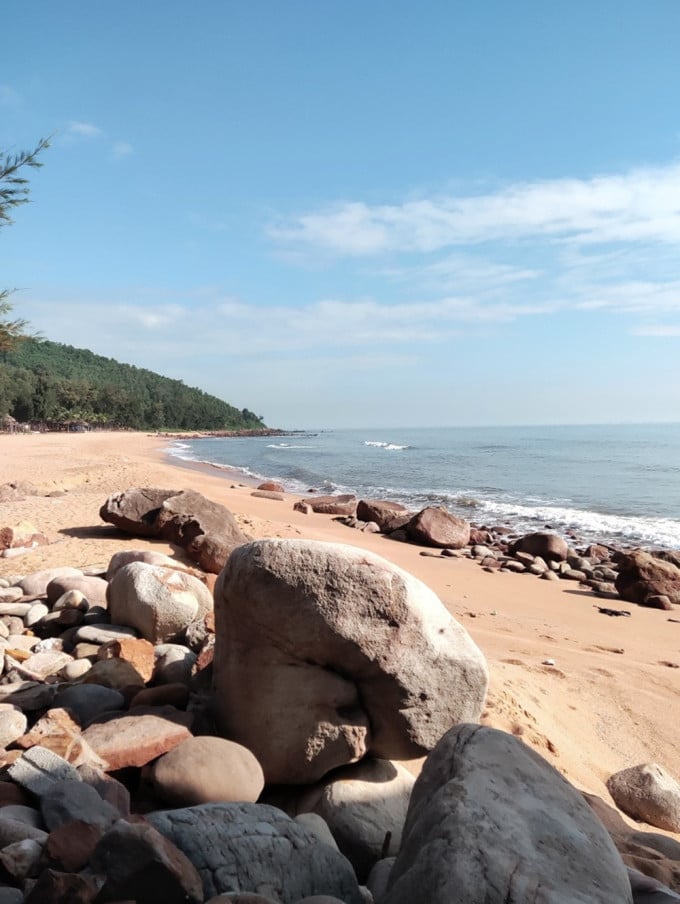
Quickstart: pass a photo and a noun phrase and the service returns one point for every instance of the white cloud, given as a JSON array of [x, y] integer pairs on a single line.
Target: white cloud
[[657, 331], [640, 205], [122, 149], [83, 130]]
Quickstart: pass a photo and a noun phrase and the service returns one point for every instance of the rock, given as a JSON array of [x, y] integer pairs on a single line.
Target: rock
[[53, 887], [318, 827], [642, 575], [36, 584], [113, 673], [135, 510], [173, 664], [139, 653], [107, 787], [13, 830], [379, 877], [365, 808], [434, 526], [140, 864], [93, 589], [157, 602], [256, 848], [28, 815], [21, 534], [70, 846], [69, 800], [548, 546], [333, 505], [344, 654], [103, 633], [647, 793], [38, 769], [138, 737], [41, 665], [28, 696], [12, 724], [147, 556], [649, 891], [58, 732], [86, 701], [490, 821], [22, 858], [268, 494], [176, 695], [271, 486], [207, 770], [382, 512], [206, 530], [658, 601], [303, 507]]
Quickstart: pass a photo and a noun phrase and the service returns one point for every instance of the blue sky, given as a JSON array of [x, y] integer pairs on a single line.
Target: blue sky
[[351, 213]]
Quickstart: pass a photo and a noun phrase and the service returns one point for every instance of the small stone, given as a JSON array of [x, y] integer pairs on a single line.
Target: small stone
[[39, 768]]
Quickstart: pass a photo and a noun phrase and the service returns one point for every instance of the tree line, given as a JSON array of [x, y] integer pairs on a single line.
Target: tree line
[[47, 382]]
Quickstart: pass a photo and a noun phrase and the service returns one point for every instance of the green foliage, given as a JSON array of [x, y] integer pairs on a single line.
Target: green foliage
[[47, 381], [13, 192]]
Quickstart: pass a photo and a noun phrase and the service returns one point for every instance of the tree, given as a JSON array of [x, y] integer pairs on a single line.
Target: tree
[[14, 192]]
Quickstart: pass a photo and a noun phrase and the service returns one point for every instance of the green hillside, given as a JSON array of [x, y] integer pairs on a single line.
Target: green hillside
[[47, 382]]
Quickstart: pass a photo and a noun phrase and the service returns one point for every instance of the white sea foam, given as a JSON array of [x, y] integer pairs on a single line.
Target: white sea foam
[[286, 446], [389, 447]]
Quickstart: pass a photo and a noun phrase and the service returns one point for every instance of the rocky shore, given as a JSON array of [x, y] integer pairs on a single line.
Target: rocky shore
[[259, 736]]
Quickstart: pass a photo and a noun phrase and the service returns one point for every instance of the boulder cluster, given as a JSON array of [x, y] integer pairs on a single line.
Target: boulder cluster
[[162, 742]]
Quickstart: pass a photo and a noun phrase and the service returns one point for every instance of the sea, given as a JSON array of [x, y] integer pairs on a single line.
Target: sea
[[614, 484]]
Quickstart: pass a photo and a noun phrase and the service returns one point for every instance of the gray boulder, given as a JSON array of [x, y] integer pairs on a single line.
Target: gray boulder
[[158, 602], [648, 793], [343, 654], [548, 546], [134, 510], [256, 848], [491, 822], [434, 526]]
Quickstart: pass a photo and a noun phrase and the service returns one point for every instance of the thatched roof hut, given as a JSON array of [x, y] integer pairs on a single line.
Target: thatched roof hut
[[9, 424]]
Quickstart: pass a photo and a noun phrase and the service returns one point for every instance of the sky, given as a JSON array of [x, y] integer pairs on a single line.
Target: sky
[[356, 213]]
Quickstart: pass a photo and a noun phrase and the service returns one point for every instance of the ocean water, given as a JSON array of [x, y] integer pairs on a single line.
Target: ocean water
[[616, 484]]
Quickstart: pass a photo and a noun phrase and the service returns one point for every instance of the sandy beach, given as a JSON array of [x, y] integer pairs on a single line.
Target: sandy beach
[[609, 701]]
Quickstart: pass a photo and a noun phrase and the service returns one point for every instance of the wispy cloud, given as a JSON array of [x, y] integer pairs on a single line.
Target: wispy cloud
[[122, 149], [664, 332], [76, 129], [640, 205]]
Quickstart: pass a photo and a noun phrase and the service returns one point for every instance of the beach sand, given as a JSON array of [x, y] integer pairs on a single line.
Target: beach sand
[[609, 702]]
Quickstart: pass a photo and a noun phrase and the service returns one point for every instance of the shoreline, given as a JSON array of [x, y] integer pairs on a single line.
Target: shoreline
[[610, 700]]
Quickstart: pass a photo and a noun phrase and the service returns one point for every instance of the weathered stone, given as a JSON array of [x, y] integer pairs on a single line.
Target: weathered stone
[[434, 526], [343, 652], [548, 546], [268, 494], [490, 821], [23, 533], [70, 846], [173, 664], [113, 673], [648, 793], [135, 510], [58, 732], [642, 575], [141, 864], [13, 830], [158, 602], [86, 701], [12, 724], [107, 787], [207, 770], [101, 634], [365, 808], [148, 556], [648, 891], [138, 737], [256, 848], [36, 584], [134, 650], [38, 769], [206, 530], [343, 504], [40, 665], [164, 695], [54, 887], [68, 800], [92, 588], [381, 511], [22, 858]]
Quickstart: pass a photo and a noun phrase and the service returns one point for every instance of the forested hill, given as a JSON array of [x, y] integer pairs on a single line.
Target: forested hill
[[47, 382]]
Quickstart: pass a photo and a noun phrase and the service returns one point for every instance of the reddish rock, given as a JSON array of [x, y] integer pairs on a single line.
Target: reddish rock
[[113, 673], [303, 507], [91, 587], [597, 553], [546, 545], [383, 512], [437, 527], [21, 534], [53, 887], [60, 733], [268, 494], [134, 650], [71, 845], [271, 486], [138, 737], [642, 575], [141, 865], [11, 794], [480, 537], [206, 654], [135, 510], [333, 505]]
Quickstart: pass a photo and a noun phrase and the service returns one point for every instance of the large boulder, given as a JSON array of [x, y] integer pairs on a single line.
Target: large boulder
[[548, 546], [434, 526], [135, 510], [381, 511], [649, 793], [206, 530], [642, 576], [342, 504], [343, 654], [256, 848], [490, 822], [158, 602]]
